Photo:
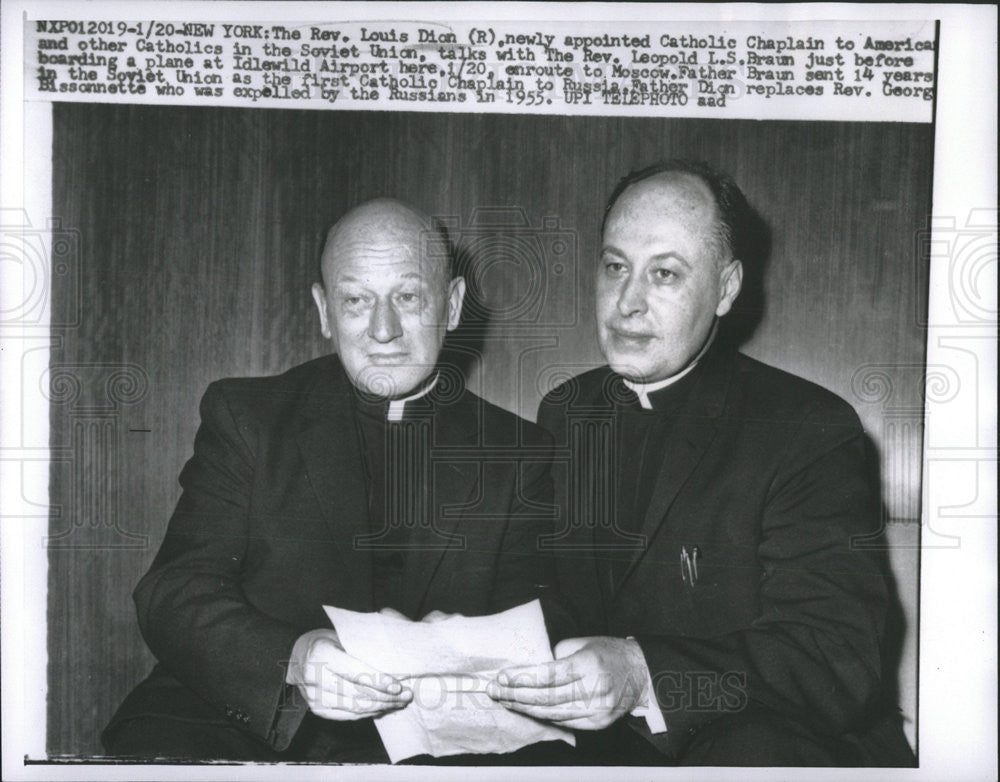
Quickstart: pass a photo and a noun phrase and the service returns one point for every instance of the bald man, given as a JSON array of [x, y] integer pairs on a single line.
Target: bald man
[[336, 483], [732, 620]]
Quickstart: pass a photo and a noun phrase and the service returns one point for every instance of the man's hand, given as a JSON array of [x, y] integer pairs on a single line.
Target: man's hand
[[340, 687], [592, 683]]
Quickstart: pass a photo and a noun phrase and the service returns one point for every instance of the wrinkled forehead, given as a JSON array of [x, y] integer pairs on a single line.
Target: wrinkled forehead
[[372, 245], [384, 262], [376, 251]]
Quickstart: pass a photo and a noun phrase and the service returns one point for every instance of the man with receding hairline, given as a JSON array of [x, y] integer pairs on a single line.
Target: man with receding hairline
[[335, 484], [387, 347], [731, 621]]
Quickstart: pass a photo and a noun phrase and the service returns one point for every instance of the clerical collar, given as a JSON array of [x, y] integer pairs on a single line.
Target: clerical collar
[[643, 390], [396, 406], [388, 409]]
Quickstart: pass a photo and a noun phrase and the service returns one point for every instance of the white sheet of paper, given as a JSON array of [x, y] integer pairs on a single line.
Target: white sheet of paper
[[448, 664]]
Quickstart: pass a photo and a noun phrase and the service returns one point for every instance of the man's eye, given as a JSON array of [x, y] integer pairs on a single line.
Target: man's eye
[[664, 275], [352, 301], [408, 298], [614, 267]]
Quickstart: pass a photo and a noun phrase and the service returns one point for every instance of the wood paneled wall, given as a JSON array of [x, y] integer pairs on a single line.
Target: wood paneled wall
[[194, 240]]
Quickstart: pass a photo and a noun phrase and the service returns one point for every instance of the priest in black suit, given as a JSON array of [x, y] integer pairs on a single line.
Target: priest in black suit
[[370, 480], [711, 504]]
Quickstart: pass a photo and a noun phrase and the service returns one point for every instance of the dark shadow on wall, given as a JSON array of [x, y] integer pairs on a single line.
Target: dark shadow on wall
[[463, 347], [752, 246]]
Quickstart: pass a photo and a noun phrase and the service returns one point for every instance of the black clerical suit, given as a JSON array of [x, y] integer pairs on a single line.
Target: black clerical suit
[[717, 530], [291, 501]]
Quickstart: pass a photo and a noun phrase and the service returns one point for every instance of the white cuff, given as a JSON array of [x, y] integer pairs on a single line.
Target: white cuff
[[648, 707]]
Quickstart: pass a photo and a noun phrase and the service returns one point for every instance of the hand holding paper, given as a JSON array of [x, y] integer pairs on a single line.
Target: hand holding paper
[[340, 687], [448, 660], [591, 683]]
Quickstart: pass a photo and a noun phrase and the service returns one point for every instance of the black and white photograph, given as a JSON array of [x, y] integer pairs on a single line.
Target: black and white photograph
[[357, 425]]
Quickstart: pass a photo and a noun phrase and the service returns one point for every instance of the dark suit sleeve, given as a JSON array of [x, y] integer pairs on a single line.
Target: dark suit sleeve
[[191, 609], [525, 570], [573, 562], [813, 651]]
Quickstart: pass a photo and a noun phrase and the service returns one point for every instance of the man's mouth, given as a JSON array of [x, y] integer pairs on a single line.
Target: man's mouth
[[630, 338], [395, 357]]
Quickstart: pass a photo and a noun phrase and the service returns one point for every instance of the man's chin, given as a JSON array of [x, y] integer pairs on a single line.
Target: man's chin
[[632, 370], [638, 372], [387, 381]]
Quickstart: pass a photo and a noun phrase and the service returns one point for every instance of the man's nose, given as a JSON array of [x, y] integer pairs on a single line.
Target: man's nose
[[384, 325], [632, 298]]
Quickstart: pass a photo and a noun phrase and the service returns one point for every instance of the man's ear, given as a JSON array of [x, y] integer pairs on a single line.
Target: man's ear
[[319, 296], [730, 282], [456, 295]]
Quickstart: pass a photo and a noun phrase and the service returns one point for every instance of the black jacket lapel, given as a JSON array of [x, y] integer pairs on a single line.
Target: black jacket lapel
[[455, 474], [695, 426], [328, 442], [609, 543]]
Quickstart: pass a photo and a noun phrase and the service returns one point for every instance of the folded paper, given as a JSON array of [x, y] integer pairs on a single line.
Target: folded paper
[[447, 664]]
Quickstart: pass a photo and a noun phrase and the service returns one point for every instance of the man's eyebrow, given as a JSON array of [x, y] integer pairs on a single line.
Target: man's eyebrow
[[612, 250], [676, 256]]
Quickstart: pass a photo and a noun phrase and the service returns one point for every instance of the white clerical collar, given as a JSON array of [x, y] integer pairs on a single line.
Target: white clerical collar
[[396, 406], [643, 390]]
